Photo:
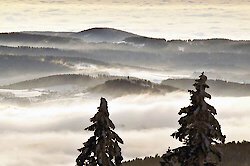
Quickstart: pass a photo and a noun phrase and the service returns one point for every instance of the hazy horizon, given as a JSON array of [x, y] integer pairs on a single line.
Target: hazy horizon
[[192, 19], [129, 32]]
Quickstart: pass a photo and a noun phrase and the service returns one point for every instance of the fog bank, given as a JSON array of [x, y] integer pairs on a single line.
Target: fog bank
[[49, 133]]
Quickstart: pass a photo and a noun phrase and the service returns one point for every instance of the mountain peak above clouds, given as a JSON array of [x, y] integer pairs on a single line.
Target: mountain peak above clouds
[[103, 35]]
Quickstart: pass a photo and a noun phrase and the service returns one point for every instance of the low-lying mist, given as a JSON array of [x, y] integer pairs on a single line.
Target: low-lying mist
[[49, 133]]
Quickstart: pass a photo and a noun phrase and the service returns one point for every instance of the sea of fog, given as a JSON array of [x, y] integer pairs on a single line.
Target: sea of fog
[[49, 133], [155, 75]]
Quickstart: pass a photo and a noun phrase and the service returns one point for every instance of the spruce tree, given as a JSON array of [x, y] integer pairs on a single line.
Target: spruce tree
[[199, 131], [102, 149]]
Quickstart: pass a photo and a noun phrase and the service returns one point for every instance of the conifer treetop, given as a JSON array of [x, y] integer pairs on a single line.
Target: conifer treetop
[[102, 149], [199, 129]]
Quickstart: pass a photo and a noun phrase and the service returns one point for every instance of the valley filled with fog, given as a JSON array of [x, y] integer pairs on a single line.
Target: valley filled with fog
[[51, 84]]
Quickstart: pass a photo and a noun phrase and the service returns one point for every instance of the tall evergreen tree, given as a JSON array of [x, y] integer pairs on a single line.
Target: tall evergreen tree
[[102, 149], [199, 131]]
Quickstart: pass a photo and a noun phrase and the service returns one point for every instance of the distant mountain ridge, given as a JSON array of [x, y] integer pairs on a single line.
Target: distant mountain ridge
[[111, 35], [61, 79], [28, 37], [95, 35], [53, 80], [103, 35], [50, 33], [224, 58]]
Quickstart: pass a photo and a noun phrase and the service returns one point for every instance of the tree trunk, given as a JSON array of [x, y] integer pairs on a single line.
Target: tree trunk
[[201, 160]]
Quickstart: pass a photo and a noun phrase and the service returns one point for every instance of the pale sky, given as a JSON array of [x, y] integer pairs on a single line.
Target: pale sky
[[183, 19]]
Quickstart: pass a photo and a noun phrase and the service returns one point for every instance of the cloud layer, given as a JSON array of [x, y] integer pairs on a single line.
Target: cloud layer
[[49, 133]]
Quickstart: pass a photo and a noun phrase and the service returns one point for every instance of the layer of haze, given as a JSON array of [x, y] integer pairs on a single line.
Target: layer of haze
[[49, 133], [183, 19]]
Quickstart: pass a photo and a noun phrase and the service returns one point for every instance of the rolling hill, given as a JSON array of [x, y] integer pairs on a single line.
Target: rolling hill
[[227, 59], [97, 34], [103, 35], [27, 39], [53, 80], [69, 55], [50, 33], [102, 84], [121, 87]]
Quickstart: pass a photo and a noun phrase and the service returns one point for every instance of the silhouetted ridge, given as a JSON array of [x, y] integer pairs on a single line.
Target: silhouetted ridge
[[54, 80], [120, 87], [80, 80], [26, 37], [50, 33], [103, 35]]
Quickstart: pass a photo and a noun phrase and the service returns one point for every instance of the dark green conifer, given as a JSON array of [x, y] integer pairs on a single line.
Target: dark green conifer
[[102, 149], [199, 131]]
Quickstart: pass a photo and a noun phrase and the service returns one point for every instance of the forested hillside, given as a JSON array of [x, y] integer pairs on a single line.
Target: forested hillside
[[233, 154]]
